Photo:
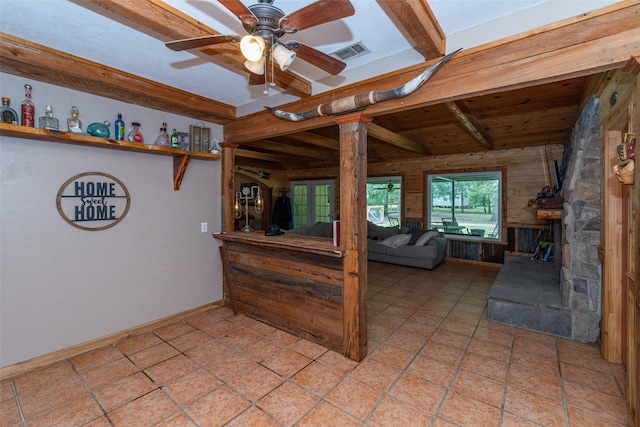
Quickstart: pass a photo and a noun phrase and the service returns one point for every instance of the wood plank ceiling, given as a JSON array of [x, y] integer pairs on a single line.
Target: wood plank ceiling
[[519, 92]]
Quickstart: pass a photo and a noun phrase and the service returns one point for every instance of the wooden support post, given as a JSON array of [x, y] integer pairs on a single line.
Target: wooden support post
[[228, 194], [611, 245], [353, 232]]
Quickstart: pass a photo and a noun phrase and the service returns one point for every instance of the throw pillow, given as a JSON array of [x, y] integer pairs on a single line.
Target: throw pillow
[[415, 233], [422, 240], [396, 240]]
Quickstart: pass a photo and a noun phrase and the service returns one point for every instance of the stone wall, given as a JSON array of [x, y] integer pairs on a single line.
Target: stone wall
[[581, 277]]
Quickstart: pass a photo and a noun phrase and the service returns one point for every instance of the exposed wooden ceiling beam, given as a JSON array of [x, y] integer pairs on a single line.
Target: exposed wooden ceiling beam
[[575, 47], [240, 152], [393, 138], [315, 139], [470, 123], [174, 24], [300, 151], [419, 21], [31, 60]]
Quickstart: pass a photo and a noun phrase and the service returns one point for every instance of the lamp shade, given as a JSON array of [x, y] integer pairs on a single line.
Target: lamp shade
[[252, 47], [256, 67], [283, 56]]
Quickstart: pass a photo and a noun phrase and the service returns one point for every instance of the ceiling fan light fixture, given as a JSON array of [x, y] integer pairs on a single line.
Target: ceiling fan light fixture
[[252, 47], [283, 56], [256, 67]]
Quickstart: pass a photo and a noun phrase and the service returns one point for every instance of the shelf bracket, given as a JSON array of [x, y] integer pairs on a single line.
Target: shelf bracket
[[179, 168]]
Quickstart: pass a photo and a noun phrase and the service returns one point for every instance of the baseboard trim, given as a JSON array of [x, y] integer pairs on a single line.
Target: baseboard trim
[[66, 353]]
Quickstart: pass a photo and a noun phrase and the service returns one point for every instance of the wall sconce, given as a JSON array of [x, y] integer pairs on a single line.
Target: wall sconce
[[248, 193]]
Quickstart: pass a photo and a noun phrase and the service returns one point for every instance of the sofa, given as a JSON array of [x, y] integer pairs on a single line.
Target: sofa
[[413, 247]]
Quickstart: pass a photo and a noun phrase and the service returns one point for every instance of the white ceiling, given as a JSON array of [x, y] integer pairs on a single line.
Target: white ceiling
[[82, 29]]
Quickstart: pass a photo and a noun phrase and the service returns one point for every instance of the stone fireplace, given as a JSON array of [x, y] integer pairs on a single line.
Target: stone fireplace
[[562, 297], [581, 273]]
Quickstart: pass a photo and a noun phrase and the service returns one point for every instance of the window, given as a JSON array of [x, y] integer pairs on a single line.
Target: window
[[466, 205], [312, 202], [383, 200]]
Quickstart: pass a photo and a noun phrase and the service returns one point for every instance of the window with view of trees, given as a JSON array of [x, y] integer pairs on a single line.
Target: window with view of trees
[[383, 200], [466, 204]]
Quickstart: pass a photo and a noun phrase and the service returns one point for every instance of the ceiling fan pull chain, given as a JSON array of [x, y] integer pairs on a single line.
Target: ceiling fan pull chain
[[273, 83]]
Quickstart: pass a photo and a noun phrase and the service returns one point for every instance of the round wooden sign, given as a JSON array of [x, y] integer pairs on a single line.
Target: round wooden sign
[[93, 201]]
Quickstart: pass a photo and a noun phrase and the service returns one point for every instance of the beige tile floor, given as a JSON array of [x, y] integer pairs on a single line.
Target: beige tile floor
[[434, 360]]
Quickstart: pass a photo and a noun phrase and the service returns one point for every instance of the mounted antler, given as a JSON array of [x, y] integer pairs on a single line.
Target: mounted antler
[[358, 102]]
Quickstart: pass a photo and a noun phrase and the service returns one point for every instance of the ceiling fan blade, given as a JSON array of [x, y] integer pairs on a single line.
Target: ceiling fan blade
[[256, 79], [318, 13], [320, 59], [241, 11], [194, 42]]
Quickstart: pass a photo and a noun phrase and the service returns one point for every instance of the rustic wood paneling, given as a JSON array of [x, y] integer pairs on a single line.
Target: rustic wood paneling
[[460, 249], [526, 175], [493, 253], [294, 288]]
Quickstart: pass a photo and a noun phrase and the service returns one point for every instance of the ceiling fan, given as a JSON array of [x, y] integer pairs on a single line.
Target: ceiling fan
[[389, 187], [265, 25]]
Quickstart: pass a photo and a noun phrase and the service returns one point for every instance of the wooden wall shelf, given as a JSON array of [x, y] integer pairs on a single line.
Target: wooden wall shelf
[[180, 157]]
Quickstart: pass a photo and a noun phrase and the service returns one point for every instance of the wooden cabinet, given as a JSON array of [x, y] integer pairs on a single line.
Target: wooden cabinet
[[180, 157]]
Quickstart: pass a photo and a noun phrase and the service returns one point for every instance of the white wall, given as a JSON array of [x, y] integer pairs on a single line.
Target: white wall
[[61, 286]]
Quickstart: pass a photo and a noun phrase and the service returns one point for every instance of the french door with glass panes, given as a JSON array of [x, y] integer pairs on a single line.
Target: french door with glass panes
[[313, 201]]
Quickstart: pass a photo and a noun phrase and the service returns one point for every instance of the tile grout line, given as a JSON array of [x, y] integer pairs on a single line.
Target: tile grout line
[[564, 394], [90, 391], [15, 396], [506, 380]]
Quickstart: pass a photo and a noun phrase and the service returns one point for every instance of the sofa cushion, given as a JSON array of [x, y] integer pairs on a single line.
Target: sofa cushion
[[377, 232], [422, 240], [428, 251], [374, 247], [415, 233], [396, 240]]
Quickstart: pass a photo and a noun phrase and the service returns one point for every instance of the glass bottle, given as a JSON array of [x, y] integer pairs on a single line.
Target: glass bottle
[[73, 123], [163, 137], [28, 109], [135, 135], [174, 139], [7, 113], [48, 121], [119, 128]]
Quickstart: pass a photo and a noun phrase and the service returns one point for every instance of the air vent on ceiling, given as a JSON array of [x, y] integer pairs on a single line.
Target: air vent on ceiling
[[352, 51]]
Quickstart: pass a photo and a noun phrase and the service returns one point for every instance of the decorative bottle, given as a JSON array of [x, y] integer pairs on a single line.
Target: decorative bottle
[[28, 109], [135, 135], [119, 128], [73, 123], [48, 121], [7, 113], [174, 139], [163, 137]]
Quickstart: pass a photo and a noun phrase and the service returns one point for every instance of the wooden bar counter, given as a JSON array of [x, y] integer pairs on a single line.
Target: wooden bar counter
[[292, 282]]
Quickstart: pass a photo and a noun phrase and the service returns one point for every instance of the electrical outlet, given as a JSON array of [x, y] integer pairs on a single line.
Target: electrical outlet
[[203, 227]]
